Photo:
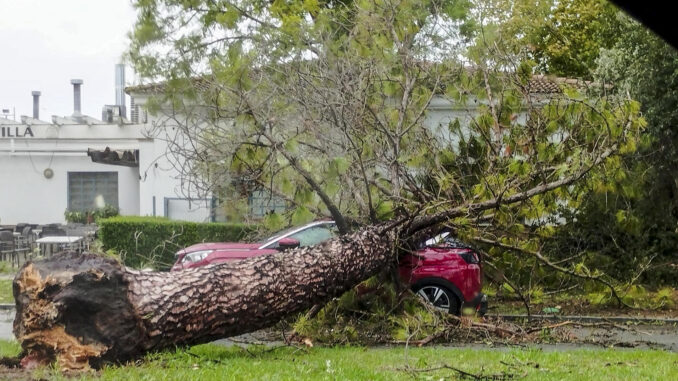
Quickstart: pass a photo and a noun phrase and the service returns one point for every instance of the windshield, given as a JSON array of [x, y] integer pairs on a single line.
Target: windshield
[[278, 234]]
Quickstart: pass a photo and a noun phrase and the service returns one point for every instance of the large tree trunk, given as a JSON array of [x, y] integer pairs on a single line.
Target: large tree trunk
[[81, 310]]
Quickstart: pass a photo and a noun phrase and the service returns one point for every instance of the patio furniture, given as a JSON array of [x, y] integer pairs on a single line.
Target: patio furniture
[[20, 227], [7, 244], [54, 244], [52, 231], [25, 242], [12, 249], [28, 235]]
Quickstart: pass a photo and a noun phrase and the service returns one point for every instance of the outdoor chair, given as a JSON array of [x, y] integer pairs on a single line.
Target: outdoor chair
[[51, 231], [7, 245], [27, 231], [24, 244]]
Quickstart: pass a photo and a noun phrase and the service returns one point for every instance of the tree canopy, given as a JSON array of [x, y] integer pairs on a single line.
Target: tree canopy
[[410, 110]]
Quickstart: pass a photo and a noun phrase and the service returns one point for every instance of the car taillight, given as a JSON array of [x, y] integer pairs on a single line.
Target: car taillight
[[470, 257]]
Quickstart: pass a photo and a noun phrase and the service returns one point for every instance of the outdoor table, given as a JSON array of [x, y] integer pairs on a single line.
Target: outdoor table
[[50, 245]]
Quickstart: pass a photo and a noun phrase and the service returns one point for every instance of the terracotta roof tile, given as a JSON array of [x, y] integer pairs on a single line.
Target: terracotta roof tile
[[539, 84], [542, 84], [202, 84]]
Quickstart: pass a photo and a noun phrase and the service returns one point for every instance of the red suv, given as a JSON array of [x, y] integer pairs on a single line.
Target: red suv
[[442, 270]]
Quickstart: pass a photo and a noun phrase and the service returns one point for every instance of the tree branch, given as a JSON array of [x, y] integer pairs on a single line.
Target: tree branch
[[423, 222]]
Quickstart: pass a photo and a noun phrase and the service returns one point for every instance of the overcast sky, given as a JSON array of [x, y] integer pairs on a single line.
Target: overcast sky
[[46, 43]]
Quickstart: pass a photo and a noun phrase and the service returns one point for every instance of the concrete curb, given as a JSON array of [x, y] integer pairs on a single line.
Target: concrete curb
[[6, 306], [587, 319]]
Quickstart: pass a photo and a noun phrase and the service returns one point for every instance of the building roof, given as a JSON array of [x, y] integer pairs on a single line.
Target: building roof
[[5, 121], [542, 84], [201, 83], [539, 84]]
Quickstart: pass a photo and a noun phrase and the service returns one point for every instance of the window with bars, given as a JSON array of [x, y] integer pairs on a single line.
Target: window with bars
[[90, 190]]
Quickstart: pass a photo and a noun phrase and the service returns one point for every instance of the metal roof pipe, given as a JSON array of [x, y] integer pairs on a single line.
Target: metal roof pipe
[[36, 104], [76, 96], [120, 89]]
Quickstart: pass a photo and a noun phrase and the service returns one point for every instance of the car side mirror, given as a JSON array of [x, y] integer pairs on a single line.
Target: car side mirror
[[288, 243]]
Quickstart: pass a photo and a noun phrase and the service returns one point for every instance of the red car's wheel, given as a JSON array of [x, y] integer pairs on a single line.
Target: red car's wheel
[[440, 297]]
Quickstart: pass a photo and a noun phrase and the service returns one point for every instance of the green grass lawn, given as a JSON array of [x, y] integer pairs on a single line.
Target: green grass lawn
[[6, 291], [212, 362]]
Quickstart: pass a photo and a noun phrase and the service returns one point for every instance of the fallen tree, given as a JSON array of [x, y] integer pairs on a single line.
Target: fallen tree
[[83, 310], [330, 117]]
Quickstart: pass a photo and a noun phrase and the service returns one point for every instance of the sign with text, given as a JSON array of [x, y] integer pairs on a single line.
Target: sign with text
[[16, 132]]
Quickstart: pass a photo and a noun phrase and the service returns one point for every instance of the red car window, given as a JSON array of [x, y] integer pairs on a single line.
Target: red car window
[[314, 235]]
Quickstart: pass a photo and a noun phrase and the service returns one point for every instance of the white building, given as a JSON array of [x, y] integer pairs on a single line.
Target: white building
[[79, 163]]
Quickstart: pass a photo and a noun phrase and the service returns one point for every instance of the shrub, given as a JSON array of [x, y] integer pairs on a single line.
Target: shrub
[[152, 241], [6, 268], [73, 216], [91, 215], [105, 212], [664, 298]]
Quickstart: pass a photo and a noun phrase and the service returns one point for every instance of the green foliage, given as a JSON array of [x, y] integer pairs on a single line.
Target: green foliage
[[639, 296], [570, 41], [333, 106], [273, 222], [372, 312], [636, 296], [153, 241], [599, 298], [622, 219], [665, 298], [90, 216], [625, 228], [643, 196], [75, 216], [362, 315], [375, 311], [6, 295], [558, 37], [6, 267], [258, 362]]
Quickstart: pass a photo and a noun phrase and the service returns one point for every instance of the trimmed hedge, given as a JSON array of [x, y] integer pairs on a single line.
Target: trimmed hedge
[[152, 241]]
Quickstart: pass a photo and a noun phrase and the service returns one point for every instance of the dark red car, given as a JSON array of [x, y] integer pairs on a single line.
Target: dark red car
[[442, 270]]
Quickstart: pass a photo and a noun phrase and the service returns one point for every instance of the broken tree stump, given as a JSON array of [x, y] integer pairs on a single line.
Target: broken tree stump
[[82, 310]]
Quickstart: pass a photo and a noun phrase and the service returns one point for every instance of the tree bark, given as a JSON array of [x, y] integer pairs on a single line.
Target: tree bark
[[81, 310]]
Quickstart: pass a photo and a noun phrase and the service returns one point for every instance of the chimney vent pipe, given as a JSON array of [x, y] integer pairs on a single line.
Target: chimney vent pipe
[[76, 96], [36, 104], [120, 89]]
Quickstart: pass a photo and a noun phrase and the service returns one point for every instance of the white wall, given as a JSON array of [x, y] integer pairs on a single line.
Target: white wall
[[159, 177], [160, 181], [27, 196]]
